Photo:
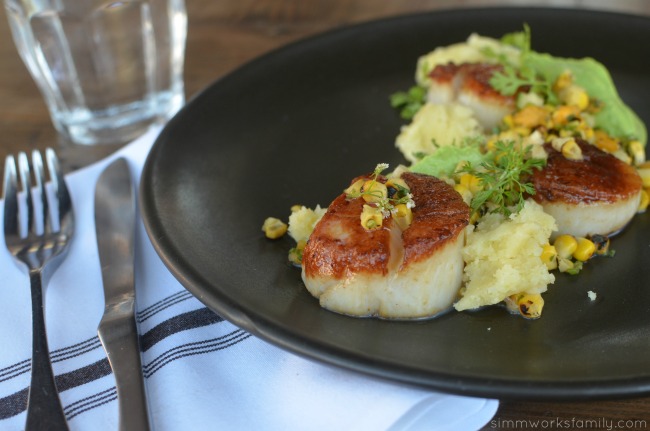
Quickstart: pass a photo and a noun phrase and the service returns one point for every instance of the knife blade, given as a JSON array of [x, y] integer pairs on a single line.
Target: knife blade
[[115, 227]]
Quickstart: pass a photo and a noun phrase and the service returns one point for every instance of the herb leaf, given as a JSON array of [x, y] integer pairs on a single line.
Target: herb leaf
[[510, 80], [513, 78], [409, 102], [504, 179], [518, 39], [381, 199]]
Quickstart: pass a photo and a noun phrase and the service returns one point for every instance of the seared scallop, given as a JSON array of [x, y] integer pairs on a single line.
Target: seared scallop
[[389, 272], [598, 194], [469, 84]]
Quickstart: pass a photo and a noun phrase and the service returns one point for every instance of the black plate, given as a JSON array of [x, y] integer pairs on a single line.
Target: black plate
[[295, 125]]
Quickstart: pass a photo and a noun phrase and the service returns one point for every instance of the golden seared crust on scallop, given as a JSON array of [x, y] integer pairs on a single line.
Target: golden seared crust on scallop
[[598, 177], [444, 73], [477, 81], [440, 214], [339, 245], [596, 195], [469, 84], [388, 272]]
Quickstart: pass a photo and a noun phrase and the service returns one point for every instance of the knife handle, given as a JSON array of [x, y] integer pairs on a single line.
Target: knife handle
[[119, 338]]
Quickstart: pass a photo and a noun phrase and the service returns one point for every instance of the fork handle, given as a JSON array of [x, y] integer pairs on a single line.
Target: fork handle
[[44, 409]]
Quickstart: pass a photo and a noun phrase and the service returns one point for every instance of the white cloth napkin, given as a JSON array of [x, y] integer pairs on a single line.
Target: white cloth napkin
[[201, 372]]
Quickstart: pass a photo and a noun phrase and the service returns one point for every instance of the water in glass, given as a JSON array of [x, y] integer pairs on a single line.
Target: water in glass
[[107, 69]]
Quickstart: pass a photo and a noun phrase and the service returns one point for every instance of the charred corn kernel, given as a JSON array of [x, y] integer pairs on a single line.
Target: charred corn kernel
[[605, 142], [567, 133], [584, 250], [403, 216], [582, 125], [396, 187], [574, 95], [295, 254], [636, 150], [549, 256], [602, 244], [565, 245], [530, 98], [645, 200], [471, 182], [355, 188], [538, 152], [563, 114], [529, 304], [295, 208], [396, 182], [568, 147], [558, 143], [530, 116], [571, 150], [535, 139], [373, 191], [274, 228], [371, 217], [587, 133], [464, 193]]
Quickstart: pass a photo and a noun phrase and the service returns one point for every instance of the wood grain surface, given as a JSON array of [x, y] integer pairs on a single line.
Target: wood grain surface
[[223, 35]]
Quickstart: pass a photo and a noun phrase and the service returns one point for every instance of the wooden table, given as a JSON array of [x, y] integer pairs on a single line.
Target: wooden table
[[225, 34]]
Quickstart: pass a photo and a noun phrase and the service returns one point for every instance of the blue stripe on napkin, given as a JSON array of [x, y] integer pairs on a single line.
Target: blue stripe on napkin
[[16, 402]]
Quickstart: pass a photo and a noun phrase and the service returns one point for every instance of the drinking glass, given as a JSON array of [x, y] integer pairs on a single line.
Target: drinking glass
[[107, 69]]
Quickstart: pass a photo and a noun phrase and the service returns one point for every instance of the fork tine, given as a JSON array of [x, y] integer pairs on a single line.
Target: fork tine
[[60, 188], [10, 195], [38, 252], [39, 175], [26, 183]]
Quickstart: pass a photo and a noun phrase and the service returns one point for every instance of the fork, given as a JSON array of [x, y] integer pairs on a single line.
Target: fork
[[38, 239]]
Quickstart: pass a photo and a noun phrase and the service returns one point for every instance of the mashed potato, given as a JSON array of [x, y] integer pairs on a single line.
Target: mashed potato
[[502, 257], [436, 126], [302, 222]]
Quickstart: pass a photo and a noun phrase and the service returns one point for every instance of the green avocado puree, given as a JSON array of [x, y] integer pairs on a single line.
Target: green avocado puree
[[616, 118], [443, 162]]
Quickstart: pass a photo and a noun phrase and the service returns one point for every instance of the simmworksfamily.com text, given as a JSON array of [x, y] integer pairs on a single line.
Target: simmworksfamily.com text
[[571, 424]]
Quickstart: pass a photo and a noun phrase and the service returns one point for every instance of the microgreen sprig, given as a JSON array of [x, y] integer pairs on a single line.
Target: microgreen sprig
[[510, 80], [504, 179], [409, 102], [513, 78], [519, 39], [386, 202]]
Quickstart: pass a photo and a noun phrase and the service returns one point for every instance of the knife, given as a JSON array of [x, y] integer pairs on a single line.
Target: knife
[[115, 226]]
